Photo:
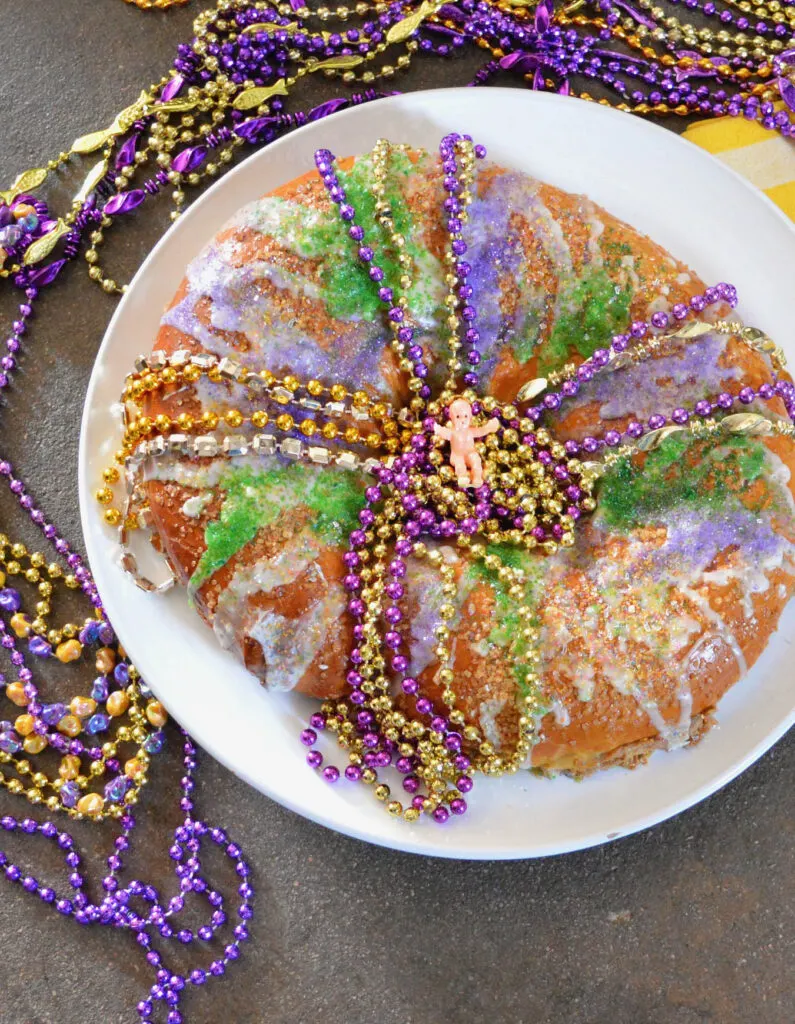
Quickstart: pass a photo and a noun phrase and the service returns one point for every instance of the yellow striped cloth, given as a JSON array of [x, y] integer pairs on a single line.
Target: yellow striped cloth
[[761, 156]]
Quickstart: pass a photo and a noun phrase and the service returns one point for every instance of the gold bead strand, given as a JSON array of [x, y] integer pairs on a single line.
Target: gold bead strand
[[383, 215]]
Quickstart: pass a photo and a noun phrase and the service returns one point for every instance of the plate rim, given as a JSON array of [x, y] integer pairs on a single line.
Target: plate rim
[[414, 842]]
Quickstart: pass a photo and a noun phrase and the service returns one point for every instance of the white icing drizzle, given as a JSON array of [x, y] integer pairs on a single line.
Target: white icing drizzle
[[716, 620], [205, 475], [278, 217], [585, 681], [277, 571], [596, 227], [188, 474], [561, 712], [673, 734], [194, 506], [628, 266], [290, 645], [488, 712]]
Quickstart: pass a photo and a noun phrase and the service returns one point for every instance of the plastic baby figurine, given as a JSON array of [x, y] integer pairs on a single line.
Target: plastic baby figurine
[[461, 435]]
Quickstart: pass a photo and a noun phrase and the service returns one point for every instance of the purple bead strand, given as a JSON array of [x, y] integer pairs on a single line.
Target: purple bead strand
[[454, 224], [324, 161], [620, 343], [114, 909]]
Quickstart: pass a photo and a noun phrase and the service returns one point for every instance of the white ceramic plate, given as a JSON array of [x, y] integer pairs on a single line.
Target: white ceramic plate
[[684, 199]]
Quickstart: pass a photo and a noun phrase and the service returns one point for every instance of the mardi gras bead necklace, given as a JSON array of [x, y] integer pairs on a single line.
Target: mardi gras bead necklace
[[118, 711], [246, 57]]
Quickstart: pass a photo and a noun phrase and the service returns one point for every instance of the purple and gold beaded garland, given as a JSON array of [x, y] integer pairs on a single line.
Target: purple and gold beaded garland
[[115, 693], [247, 56]]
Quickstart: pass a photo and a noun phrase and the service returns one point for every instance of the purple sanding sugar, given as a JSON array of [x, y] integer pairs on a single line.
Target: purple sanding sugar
[[238, 305], [495, 251], [696, 537], [661, 384]]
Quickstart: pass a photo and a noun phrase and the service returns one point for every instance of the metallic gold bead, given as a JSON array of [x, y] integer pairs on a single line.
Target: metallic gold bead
[[25, 724], [91, 804], [337, 392], [70, 725], [104, 495], [16, 694], [112, 516], [285, 421], [68, 651], [156, 713], [259, 418]]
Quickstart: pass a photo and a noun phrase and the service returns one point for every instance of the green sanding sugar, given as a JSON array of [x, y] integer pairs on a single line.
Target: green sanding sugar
[[592, 308], [254, 499], [336, 499], [674, 475], [508, 625], [348, 291], [524, 343]]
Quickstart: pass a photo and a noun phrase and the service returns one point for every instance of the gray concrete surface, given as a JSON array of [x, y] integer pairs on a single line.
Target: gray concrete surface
[[690, 922]]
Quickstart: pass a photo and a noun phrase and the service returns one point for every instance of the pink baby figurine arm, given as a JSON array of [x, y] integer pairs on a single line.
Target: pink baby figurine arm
[[442, 432], [487, 428]]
